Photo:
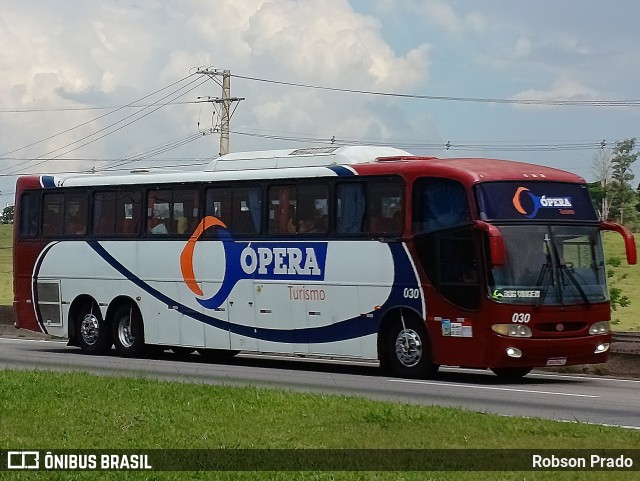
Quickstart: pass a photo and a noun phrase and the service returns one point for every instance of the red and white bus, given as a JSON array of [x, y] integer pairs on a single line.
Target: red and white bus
[[342, 252]]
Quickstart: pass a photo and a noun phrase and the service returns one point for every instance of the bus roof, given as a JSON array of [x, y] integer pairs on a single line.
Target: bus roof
[[324, 162], [312, 157], [470, 170]]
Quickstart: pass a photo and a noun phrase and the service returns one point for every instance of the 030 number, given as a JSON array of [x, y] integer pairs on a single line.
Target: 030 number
[[521, 317]]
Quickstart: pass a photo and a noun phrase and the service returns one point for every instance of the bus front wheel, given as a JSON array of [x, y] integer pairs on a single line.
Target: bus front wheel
[[128, 333], [92, 331], [408, 352]]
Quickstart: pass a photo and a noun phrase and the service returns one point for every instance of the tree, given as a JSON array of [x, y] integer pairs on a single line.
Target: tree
[[621, 195], [599, 189], [7, 215]]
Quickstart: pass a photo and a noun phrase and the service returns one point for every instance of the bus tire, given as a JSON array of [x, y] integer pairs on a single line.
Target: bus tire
[[128, 331], [408, 352], [511, 373], [92, 332]]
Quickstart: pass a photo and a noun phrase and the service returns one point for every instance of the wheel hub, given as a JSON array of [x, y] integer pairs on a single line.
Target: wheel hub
[[124, 332], [90, 329], [408, 348]]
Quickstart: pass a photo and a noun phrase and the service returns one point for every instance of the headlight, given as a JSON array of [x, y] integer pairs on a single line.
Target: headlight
[[599, 328], [512, 330]]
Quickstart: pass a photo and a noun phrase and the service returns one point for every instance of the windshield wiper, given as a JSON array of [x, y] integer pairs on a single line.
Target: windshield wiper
[[574, 281], [545, 271]]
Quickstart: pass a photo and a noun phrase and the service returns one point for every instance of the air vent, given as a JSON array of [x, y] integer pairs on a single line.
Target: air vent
[[315, 151]]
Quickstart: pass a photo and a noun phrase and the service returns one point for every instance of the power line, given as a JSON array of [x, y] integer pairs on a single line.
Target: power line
[[97, 118], [81, 109], [408, 145], [572, 103], [113, 124]]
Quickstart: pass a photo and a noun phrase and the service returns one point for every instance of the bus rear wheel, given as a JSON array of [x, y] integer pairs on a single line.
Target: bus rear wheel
[[512, 373], [128, 332], [407, 350], [92, 331]]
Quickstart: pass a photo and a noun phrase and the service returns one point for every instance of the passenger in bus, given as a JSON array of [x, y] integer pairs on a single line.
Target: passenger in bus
[[182, 224], [315, 224], [156, 226]]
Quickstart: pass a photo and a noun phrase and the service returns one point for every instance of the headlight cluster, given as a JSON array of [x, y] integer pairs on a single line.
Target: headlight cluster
[[512, 330], [599, 328]]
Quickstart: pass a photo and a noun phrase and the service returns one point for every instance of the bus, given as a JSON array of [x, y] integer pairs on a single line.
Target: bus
[[335, 252]]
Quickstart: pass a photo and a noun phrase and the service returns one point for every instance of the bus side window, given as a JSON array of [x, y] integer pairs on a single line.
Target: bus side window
[[218, 205], [439, 204], [52, 215], [313, 209], [158, 212], [75, 214], [185, 211], [385, 214], [29, 215], [282, 210], [351, 205], [128, 212], [104, 211], [247, 211]]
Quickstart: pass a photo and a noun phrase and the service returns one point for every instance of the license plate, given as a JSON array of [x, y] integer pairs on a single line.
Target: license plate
[[556, 361]]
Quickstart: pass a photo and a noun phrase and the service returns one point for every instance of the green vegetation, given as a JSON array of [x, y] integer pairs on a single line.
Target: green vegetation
[[45, 410], [622, 276], [6, 265], [624, 281]]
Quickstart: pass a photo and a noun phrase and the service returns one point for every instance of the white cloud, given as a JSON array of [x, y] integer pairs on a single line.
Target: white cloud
[[109, 53], [441, 13], [562, 89], [522, 47], [326, 42]]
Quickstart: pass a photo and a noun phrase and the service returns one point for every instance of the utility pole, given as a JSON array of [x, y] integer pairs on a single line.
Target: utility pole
[[225, 113], [224, 118]]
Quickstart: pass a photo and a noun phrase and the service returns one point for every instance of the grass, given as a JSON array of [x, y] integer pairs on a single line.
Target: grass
[[6, 265], [45, 410], [625, 277]]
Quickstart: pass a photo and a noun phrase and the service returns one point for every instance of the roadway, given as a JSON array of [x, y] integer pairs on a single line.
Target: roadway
[[564, 397]]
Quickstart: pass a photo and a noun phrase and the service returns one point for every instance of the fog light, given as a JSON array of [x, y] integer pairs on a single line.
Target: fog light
[[514, 352], [602, 347]]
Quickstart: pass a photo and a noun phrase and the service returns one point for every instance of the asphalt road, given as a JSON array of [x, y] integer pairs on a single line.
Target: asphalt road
[[601, 400]]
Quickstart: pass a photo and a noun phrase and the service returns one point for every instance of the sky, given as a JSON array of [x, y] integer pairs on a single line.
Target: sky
[[115, 85]]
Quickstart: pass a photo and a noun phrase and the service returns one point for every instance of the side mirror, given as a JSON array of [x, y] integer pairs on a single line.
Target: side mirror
[[497, 249], [629, 240]]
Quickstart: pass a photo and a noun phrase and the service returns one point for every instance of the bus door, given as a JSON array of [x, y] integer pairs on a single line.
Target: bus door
[[451, 264], [448, 249]]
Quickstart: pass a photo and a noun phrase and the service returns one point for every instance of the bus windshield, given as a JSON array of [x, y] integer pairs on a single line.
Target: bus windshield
[[550, 265]]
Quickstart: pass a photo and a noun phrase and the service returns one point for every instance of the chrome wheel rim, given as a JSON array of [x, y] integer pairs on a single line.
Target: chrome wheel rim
[[408, 348], [125, 336], [90, 329]]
